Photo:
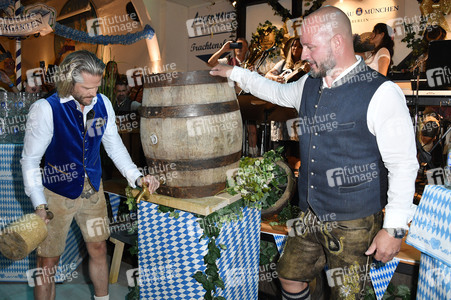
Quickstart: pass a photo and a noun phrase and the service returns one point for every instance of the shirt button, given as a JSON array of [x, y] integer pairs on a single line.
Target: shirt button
[[316, 133], [313, 160], [316, 106], [312, 174], [312, 187], [314, 147]]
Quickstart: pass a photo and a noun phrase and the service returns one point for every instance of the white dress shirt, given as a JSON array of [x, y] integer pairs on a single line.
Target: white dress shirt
[[39, 134], [388, 120]]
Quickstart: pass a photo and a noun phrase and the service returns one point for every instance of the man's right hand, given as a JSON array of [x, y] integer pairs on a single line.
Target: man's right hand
[[221, 70], [226, 47], [43, 214]]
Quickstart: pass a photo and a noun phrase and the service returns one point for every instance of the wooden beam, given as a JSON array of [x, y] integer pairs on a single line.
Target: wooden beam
[[296, 8]]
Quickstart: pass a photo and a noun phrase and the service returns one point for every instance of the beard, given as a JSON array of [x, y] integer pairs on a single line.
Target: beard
[[85, 101], [323, 67], [121, 98]]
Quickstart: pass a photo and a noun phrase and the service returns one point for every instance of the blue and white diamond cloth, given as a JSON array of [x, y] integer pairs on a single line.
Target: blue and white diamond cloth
[[430, 233], [381, 275], [14, 204], [434, 280], [170, 253]]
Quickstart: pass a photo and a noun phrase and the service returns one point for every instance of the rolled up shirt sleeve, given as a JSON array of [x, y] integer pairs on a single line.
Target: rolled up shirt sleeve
[[389, 120], [38, 135]]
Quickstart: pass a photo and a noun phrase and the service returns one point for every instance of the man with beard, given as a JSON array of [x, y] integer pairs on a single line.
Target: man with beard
[[68, 127], [349, 174], [124, 105]]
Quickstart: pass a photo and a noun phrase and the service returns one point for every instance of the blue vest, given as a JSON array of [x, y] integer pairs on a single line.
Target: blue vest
[[341, 171], [74, 151]]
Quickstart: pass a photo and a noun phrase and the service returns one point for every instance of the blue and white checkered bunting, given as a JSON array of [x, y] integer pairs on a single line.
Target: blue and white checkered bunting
[[430, 231], [381, 276], [15, 204], [280, 239], [170, 253]]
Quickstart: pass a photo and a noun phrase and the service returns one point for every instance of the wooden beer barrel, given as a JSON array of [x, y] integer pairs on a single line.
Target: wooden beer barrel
[[191, 132]]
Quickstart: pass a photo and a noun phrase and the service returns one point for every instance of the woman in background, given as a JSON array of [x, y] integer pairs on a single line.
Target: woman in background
[[285, 70], [380, 57]]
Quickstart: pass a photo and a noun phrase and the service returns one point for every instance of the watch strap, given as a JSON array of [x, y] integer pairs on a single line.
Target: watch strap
[[398, 233], [41, 206], [137, 180]]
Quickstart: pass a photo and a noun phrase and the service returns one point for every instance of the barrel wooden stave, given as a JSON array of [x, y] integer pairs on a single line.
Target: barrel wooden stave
[[201, 145]]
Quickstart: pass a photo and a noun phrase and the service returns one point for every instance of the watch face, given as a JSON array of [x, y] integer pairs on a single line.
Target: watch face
[[398, 233]]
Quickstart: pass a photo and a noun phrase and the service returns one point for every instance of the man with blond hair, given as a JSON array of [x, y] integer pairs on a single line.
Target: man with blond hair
[[358, 157], [68, 128]]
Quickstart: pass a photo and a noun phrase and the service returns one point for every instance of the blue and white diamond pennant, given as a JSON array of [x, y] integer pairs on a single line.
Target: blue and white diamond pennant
[[280, 239], [381, 276]]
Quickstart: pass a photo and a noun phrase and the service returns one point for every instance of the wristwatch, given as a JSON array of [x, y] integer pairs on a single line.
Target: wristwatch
[[42, 206], [398, 233], [137, 180]]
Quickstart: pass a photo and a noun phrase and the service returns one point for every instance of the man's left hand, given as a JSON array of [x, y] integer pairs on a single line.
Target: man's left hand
[[152, 183], [384, 246]]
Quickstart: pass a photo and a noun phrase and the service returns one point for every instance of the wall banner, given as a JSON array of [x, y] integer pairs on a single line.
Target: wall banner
[[208, 28]]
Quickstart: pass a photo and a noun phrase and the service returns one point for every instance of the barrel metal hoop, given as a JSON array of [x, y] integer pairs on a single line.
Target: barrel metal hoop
[[172, 79], [199, 164], [189, 111], [191, 191]]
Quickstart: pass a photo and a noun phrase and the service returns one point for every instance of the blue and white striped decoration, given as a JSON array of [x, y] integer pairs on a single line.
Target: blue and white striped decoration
[[18, 64], [14, 204], [170, 253], [115, 200], [381, 276], [17, 13]]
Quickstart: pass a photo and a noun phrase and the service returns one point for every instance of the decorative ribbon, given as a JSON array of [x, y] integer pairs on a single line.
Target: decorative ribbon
[[81, 36]]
